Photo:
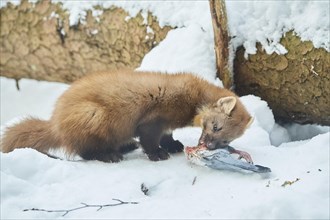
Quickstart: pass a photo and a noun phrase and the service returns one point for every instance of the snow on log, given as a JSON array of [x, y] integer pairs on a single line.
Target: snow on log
[[38, 42]]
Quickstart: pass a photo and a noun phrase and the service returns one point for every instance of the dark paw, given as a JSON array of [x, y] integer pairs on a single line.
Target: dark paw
[[174, 147], [159, 154], [107, 157], [129, 147], [114, 157]]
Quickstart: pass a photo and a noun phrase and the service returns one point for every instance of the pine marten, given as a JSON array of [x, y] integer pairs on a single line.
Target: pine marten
[[99, 116]]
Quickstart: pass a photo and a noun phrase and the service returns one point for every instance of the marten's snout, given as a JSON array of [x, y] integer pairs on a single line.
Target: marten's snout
[[207, 141], [212, 143]]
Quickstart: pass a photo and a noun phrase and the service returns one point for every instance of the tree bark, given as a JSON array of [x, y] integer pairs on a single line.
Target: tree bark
[[221, 41], [37, 41], [296, 85]]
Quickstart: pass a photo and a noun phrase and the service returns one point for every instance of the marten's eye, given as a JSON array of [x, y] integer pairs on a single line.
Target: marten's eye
[[215, 128]]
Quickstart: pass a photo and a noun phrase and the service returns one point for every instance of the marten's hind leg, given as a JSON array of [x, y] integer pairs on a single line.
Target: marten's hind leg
[[98, 149], [105, 156]]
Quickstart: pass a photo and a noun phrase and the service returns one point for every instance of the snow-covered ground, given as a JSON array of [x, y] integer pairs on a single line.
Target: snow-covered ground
[[32, 180], [177, 189]]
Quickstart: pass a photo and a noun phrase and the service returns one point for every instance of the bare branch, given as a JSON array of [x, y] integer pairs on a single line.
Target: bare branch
[[84, 205]]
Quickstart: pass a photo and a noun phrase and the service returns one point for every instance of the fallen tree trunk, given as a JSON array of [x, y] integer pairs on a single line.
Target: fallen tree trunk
[[296, 85], [37, 41]]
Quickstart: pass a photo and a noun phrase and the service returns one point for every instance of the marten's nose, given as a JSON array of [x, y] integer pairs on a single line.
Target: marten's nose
[[211, 145]]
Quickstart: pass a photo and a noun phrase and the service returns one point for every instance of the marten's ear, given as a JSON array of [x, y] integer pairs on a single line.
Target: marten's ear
[[227, 104]]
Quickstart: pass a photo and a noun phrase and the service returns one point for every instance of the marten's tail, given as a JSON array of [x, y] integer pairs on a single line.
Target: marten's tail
[[32, 133]]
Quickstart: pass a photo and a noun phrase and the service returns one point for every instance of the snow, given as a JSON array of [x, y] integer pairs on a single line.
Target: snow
[[94, 31], [267, 21], [32, 180], [172, 54]]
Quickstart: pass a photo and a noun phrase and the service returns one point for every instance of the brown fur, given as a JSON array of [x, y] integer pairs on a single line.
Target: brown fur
[[100, 114], [30, 132]]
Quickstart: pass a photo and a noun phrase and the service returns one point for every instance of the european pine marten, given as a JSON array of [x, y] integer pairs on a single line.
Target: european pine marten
[[100, 114]]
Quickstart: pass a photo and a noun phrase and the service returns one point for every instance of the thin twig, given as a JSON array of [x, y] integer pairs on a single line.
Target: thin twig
[[66, 211], [194, 180]]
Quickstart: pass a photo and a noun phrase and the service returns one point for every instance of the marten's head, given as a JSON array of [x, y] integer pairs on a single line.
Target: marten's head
[[222, 122]]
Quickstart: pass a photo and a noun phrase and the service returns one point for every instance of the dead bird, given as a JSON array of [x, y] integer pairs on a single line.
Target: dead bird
[[221, 159]]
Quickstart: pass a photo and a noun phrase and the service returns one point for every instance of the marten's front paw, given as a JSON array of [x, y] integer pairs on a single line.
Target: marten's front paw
[[159, 154], [174, 147]]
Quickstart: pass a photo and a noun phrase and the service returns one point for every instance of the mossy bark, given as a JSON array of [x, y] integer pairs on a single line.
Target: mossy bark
[[37, 41], [296, 85]]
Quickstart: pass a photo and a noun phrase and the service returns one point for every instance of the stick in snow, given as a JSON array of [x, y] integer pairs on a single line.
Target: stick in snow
[[66, 211], [194, 180]]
